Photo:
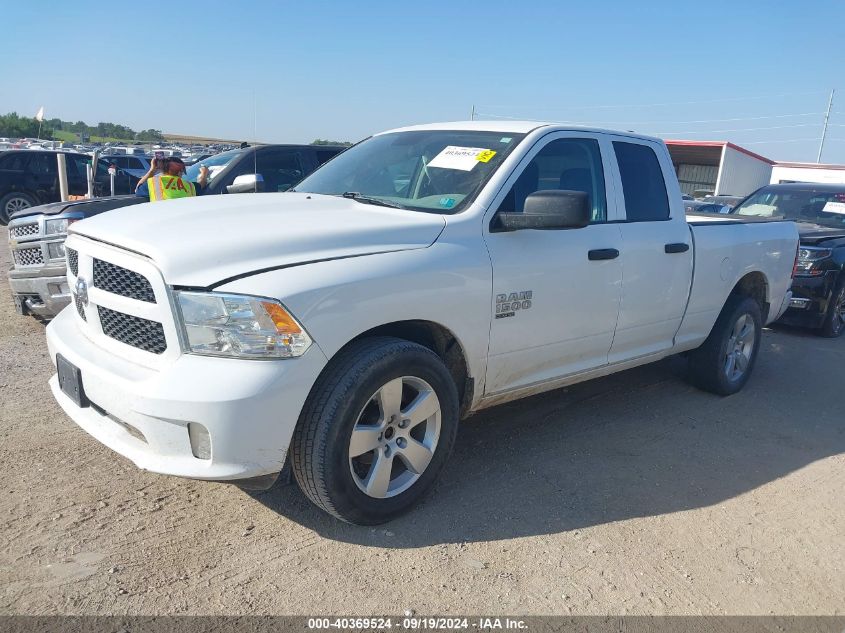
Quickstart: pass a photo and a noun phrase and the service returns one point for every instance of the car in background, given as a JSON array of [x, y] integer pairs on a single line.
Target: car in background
[[261, 168], [37, 235], [137, 166], [31, 178], [818, 289], [728, 201], [195, 158]]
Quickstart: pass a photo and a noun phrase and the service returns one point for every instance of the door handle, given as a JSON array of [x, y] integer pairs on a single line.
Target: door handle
[[602, 253], [678, 247]]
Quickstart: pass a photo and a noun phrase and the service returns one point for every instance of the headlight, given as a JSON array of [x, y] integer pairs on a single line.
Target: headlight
[[57, 227], [55, 250], [240, 326], [808, 257]]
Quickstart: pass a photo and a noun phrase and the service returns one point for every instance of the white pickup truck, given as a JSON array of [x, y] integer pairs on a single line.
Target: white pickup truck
[[420, 276]]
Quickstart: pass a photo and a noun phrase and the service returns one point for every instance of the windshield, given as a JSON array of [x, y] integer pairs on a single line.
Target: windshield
[[802, 205], [425, 170], [215, 164]]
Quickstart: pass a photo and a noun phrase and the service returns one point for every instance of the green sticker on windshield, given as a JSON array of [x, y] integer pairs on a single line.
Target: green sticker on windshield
[[447, 202]]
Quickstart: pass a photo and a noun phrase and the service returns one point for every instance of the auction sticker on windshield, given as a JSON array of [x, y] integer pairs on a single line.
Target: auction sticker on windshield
[[462, 158], [834, 207]]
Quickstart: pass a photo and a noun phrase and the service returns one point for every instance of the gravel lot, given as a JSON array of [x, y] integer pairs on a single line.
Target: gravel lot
[[632, 494]]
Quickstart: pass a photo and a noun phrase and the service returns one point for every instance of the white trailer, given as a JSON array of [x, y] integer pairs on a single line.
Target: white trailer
[[807, 172], [718, 168]]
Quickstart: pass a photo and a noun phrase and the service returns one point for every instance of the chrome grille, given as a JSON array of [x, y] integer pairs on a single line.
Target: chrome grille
[[79, 307], [72, 260], [121, 281], [131, 330], [24, 230], [28, 256]]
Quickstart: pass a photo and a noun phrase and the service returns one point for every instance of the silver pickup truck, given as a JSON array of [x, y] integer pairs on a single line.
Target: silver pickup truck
[[38, 277]]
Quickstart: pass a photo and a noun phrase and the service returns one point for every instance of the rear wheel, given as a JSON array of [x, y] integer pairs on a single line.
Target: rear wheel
[[724, 362], [834, 320], [376, 430], [12, 202]]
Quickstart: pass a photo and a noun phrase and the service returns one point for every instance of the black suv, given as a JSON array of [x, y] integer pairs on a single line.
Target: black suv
[[31, 177], [818, 289]]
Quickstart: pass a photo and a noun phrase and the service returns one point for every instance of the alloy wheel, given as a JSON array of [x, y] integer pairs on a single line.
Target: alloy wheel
[[394, 437], [740, 348], [16, 204]]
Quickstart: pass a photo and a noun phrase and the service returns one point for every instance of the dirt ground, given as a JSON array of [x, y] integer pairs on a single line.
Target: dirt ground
[[634, 494]]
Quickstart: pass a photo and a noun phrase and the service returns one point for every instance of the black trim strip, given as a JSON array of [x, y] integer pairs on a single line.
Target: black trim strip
[[222, 282]]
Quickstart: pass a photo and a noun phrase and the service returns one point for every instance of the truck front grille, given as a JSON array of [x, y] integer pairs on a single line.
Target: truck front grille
[[121, 281], [79, 307], [29, 256], [131, 330], [24, 230], [72, 261]]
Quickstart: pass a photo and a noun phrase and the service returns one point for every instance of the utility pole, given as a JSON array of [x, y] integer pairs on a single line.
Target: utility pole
[[472, 114], [824, 130]]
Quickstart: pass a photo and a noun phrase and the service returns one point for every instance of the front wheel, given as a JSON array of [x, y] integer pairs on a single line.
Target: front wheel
[[376, 430], [724, 362], [13, 202], [834, 320]]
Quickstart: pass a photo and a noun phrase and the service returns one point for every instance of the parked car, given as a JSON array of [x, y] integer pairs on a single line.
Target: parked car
[[37, 234], [728, 201], [31, 178], [137, 166], [419, 276], [818, 291], [707, 207]]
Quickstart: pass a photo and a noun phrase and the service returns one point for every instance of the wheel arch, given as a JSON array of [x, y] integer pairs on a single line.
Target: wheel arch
[[440, 340], [755, 285]]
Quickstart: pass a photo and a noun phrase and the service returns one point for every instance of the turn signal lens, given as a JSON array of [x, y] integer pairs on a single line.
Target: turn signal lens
[[283, 321]]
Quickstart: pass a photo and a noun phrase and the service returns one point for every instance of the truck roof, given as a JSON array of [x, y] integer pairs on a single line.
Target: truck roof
[[516, 127]]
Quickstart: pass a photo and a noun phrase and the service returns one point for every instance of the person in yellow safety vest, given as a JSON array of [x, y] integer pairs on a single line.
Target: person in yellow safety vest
[[170, 182]]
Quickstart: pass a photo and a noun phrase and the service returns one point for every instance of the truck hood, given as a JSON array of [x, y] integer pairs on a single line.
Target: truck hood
[[812, 234], [86, 207], [204, 241]]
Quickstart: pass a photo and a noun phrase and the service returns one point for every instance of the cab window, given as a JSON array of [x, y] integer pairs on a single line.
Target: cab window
[[642, 183], [572, 164]]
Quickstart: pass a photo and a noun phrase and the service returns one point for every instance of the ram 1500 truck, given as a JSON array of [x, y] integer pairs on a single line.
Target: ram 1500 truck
[[37, 234], [420, 276]]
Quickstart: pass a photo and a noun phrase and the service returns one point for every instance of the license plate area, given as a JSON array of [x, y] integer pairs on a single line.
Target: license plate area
[[70, 381]]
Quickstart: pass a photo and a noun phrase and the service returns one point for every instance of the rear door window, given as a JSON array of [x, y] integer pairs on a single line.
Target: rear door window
[[281, 170], [14, 160], [642, 182]]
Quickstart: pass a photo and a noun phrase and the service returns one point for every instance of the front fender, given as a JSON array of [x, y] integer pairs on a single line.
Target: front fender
[[446, 283]]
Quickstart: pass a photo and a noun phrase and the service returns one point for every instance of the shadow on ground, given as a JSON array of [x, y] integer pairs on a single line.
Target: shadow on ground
[[639, 443]]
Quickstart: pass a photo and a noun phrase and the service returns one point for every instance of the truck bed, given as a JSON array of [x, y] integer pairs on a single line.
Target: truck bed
[[702, 219]]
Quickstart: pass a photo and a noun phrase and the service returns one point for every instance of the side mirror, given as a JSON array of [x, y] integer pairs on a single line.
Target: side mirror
[[550, 209], [246, 183]]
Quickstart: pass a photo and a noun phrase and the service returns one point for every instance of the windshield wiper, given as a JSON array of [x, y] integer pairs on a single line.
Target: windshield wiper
[[359, 197]]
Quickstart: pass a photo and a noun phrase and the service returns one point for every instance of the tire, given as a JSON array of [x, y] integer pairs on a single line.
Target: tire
[[14, 201], [724, 362], [354, 452], [834, 320]]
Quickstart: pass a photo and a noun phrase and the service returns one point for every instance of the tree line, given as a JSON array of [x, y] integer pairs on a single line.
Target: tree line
[[14, 126]]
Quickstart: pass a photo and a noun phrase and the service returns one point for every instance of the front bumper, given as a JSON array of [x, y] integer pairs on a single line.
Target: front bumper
[[44, 294], [249, 407], [810, 297]]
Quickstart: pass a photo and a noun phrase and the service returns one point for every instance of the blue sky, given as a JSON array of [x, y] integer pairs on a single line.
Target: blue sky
[[755, 73]]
